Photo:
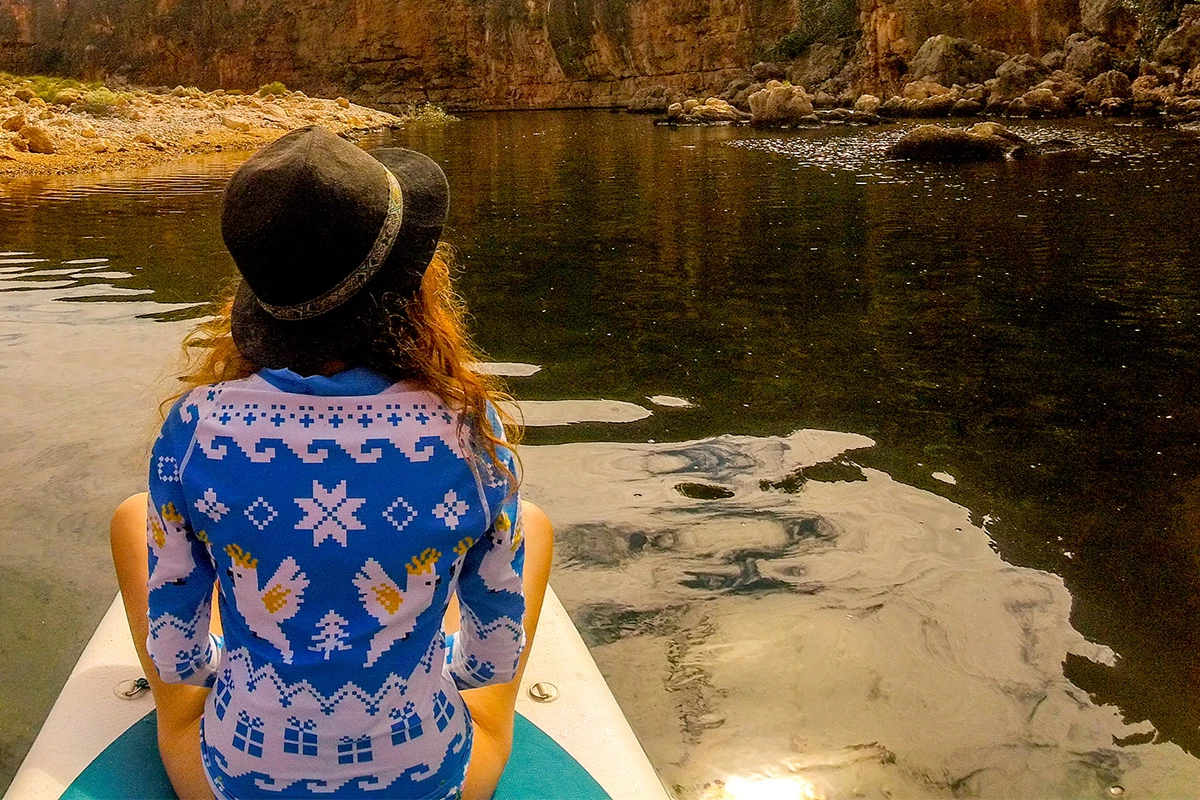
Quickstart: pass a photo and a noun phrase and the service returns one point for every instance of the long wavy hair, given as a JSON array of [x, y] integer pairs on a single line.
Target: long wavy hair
[[422, 340]]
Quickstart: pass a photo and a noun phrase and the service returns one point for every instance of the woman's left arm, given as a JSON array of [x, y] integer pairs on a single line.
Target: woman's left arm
[[181, 572]]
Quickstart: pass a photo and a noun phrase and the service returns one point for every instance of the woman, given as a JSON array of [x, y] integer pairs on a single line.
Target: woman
[[340, 475]]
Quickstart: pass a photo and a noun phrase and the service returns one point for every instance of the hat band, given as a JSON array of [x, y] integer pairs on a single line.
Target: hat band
[[356, 280]]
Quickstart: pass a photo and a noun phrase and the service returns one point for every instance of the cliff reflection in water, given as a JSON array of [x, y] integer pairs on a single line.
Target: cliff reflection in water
[[1025, 332]]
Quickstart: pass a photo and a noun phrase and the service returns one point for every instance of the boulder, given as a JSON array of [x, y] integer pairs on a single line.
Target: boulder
[[966, 108], [741, 100], [67, 97], [765, 71], [1113, 84], [1182, 45], [652, 100], [920, 90], [994, 130], [823, 99], [1054, 60], [1064, 85], [1112, 19], [1116, 106], [938, 105], [38, 139], [977, 92], [867, 104], [675, 111], [949, 60], [1190, 83], [689, 105], [894, 106], [24, 94], [1015, 77], [733, 87], [779, 104], [820, 63], [342, 102], [935, 143], [715, 109], [234, 122], [1042, 102], [1087, 58], [14, 123]]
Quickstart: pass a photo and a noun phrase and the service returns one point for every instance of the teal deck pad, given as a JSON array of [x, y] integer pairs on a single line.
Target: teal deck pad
[[130, 769]]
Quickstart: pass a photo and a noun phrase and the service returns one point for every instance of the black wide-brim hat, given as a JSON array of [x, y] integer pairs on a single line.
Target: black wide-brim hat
[[324, 235]]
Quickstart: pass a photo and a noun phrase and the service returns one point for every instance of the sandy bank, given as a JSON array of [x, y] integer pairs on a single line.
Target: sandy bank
[[82, 128]]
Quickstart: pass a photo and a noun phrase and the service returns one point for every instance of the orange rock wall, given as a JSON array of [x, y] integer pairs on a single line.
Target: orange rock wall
[[484, 53]]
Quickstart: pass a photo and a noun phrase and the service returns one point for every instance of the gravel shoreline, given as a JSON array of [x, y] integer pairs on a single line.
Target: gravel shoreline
[[97, 129]]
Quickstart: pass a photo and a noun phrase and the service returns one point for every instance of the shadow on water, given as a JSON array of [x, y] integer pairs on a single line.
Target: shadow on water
[[1019, 341]]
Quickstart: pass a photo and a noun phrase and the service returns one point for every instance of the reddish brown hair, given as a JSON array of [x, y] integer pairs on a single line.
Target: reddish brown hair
[[422, 340]]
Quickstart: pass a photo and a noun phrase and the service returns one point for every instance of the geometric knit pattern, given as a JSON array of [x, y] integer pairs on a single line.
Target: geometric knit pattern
[[337, 518]]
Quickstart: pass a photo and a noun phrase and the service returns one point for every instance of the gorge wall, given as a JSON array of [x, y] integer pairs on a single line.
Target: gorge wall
[[508, 53]]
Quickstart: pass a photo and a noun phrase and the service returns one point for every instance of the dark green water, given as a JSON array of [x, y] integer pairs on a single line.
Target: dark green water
[[1031, 329]]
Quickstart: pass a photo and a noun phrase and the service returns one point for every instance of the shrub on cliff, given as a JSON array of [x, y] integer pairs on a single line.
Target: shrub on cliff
[[820, 21]]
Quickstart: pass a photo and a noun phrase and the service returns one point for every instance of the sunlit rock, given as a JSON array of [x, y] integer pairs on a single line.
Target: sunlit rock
[[14, 123], [38, 139], [1042, 102], [867, 103], [235, 122], [780, 104]]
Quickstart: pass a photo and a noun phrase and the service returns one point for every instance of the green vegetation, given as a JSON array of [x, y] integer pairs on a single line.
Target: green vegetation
[[1157, 18], [102, 102], [274, 87], [821, 21], [48, 87], [430, 113]]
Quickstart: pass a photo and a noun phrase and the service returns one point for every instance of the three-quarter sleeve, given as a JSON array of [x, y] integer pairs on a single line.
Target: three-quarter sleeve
[[181, 573], [490, 591]]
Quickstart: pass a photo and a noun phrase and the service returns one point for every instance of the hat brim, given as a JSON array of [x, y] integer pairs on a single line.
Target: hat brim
[[306, 345]]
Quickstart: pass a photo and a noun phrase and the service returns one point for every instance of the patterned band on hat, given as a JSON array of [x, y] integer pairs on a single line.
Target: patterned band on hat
[[352, 283]]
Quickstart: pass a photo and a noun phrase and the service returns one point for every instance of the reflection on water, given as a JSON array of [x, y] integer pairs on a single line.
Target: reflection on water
[[856, 634], [993, 595]]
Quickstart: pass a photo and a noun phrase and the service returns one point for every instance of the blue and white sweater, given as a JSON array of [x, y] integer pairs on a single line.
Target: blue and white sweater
[[338, 516]]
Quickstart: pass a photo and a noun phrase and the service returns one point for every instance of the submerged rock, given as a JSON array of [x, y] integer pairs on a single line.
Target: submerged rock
[[939, 144]]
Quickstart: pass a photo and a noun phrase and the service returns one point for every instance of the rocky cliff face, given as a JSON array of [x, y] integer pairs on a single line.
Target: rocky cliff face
[[514, 53], [466, 53]]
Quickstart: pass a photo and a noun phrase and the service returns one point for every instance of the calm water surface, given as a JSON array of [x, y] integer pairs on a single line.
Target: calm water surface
[[927, 525]]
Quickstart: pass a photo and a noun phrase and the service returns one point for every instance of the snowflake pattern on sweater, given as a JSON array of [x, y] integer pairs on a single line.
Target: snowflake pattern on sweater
[[338, 516]]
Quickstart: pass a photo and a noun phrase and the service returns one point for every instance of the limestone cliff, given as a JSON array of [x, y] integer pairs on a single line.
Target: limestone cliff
[[508, 53]]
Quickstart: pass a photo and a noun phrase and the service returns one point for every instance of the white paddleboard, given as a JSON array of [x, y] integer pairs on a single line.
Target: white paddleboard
[[574, 708]]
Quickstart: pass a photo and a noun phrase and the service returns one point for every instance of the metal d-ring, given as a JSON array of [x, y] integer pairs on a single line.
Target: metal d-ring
[[131, 688], [543, 692]]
